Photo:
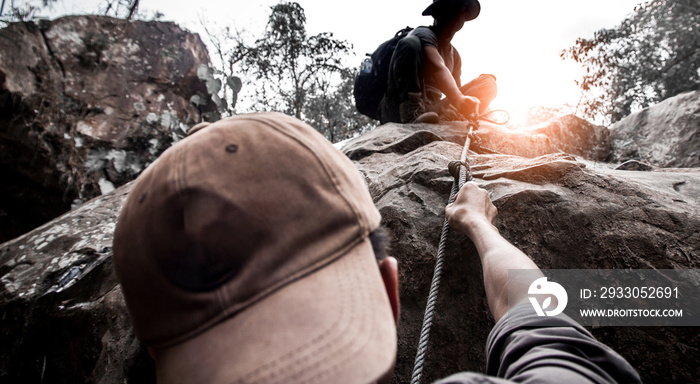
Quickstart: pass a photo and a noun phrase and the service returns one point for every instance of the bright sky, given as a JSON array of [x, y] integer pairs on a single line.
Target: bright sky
[[517, 41]]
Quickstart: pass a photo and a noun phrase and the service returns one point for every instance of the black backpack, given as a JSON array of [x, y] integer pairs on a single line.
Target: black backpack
[[371, 87]]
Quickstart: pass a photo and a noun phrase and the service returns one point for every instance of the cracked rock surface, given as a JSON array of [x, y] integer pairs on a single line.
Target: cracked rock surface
[[564, 211], [64, 318], [87, 102], [665, 135]]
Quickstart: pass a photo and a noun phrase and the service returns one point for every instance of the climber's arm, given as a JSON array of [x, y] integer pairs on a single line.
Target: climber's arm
[[564, 353], [473, 213], [447, 84]]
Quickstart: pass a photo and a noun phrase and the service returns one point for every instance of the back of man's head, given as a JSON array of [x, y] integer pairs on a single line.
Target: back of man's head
[[243, 255]]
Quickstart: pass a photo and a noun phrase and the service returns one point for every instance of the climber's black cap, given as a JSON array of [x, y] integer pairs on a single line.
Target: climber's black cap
[[439, 7]]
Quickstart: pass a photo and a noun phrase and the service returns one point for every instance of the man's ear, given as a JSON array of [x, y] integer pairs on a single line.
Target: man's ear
[[389, 269]]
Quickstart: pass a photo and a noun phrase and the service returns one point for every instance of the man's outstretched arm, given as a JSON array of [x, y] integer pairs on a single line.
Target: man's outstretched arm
[[447, 84], [473, 213]]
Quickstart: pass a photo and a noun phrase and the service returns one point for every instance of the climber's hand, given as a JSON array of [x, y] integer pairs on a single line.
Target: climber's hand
[[471, 209], [469, 106]]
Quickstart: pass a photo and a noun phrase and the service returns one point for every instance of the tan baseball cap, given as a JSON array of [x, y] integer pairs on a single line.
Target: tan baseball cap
[[244, 257]]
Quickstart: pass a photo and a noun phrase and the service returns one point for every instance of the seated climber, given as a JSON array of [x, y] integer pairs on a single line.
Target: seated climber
[[425, 66], [237, 267]]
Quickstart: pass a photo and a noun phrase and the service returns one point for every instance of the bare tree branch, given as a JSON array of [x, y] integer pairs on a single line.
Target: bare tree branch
[[132, 9]]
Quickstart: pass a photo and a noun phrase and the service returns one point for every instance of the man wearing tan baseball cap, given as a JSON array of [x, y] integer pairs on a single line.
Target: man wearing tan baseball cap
[[247, 254], [244, 255]]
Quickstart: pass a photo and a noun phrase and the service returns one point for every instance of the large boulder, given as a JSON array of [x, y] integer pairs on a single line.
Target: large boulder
[[86, 102], [64, 319], [665, 135], [552, 207], [63, 315], [566, 134]]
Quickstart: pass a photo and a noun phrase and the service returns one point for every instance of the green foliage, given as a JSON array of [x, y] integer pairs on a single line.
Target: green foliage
[[652, 55]]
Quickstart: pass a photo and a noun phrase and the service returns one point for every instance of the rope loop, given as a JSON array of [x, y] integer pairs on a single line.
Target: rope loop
[[488, 117], [453, 167]]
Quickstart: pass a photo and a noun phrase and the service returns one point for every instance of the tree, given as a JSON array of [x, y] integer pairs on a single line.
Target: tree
[[288, 71], [119, 8], [331, 113], [229, 50], [285, 61], [652, 55], [27, 10]]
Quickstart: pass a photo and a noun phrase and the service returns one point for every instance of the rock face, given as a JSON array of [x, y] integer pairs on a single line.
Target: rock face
[[555, 209], [568, 134], [664, 135], [86, 102], [64, 318]]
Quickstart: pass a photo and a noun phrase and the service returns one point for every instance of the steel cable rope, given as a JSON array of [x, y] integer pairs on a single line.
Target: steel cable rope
[[461, 177]]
